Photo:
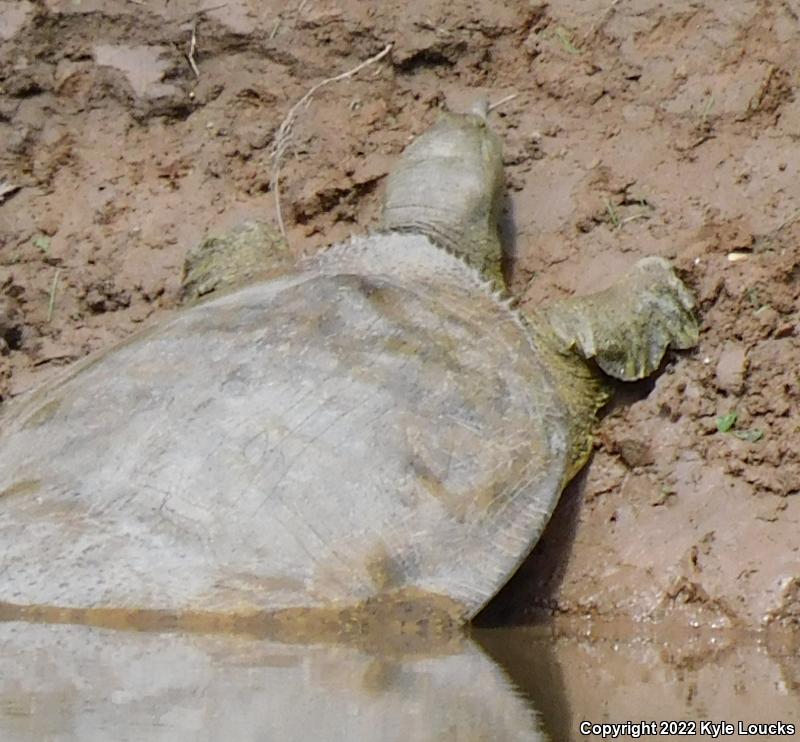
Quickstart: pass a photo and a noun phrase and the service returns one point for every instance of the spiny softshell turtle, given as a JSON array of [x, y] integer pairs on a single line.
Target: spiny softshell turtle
[[378, 429]]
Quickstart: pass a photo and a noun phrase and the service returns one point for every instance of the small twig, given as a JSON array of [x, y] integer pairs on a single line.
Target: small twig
[[634, 217], [284, 134], [52, 303], [791, 219], [501, 102], [198, 13], [212, 8], [192, 50], [597, 27]]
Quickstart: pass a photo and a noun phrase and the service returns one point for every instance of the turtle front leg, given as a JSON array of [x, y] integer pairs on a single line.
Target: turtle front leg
[[628, 327], [250, 251]]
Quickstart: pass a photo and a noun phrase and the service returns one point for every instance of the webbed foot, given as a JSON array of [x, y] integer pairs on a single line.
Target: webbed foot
[[628, 327]]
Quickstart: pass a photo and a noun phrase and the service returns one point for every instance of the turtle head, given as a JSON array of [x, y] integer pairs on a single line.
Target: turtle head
[[448, 186]]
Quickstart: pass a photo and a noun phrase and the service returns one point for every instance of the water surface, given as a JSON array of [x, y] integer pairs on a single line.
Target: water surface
[[88, 684]]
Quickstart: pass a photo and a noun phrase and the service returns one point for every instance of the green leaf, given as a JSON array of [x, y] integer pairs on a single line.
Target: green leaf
[[726, 422], [751, 436]]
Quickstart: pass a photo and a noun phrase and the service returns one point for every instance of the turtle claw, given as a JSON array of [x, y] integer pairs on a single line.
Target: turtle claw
[[628, 327]]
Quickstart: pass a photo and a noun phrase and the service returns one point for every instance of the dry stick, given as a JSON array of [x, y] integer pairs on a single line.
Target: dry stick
[[192, 50], [198, 13], [791, 219], [52, 303], [193, 41], [594, 30], [284, 134], [502, 101]]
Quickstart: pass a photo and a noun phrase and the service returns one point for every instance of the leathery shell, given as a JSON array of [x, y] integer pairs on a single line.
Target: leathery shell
[[378, 423]]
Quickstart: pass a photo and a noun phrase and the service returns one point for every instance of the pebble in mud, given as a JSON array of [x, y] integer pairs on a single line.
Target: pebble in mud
[[731, 368]]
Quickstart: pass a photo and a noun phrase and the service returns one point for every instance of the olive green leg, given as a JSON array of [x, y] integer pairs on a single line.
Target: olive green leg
[[253, 250]]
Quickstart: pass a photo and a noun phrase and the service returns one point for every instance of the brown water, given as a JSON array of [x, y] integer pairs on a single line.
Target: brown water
[[64, 683]]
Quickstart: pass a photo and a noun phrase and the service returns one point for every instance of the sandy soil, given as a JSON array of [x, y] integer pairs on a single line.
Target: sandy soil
[[638, 128]]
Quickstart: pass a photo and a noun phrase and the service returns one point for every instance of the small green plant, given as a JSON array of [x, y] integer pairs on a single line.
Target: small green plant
[[726, 424], [751, 436], [613, 217], [566, 41], [664, 494], [43, 243], [706, 111], [754, 297]]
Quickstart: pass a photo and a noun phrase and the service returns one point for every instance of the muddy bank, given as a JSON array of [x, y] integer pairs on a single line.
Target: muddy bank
[[611, 671], [636, 130]]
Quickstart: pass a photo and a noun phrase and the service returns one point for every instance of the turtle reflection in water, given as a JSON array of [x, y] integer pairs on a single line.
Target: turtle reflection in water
[[375, 434], [82, 684]]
